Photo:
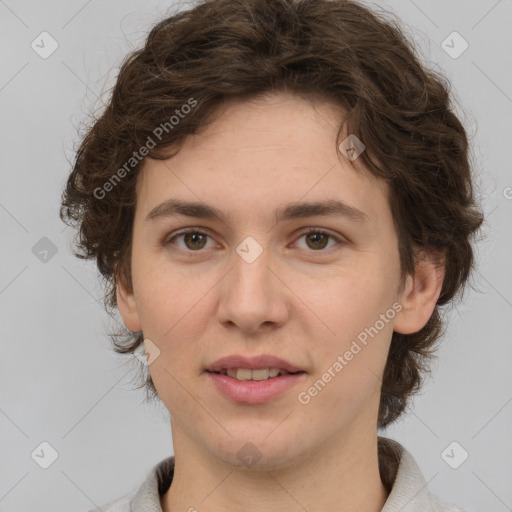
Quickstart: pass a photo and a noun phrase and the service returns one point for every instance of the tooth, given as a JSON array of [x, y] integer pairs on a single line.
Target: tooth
[[243, 374], [257, 374], [260, 374]]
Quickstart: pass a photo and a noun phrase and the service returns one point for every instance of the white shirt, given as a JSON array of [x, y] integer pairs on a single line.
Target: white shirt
[[409, 491]]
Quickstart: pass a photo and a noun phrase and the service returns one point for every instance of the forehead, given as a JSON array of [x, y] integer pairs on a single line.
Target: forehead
[[256, 155]]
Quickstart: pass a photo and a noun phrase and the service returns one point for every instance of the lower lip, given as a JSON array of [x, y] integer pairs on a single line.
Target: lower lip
[[254, 391]]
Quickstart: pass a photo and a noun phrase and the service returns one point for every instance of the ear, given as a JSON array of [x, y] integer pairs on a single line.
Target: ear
[[127, 306], [420, 293]]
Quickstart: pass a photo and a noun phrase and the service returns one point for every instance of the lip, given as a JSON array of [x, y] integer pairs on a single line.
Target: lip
[[254, 391], [252, 363]]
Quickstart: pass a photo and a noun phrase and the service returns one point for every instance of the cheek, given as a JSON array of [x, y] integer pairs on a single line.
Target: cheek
[[353, 319], [163, 296], [171, 309], [347, 301]]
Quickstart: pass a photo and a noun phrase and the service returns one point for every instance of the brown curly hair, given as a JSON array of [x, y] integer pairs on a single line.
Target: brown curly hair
[[337, 50]]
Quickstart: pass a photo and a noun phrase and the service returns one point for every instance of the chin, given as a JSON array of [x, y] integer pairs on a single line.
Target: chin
[[259, 453]]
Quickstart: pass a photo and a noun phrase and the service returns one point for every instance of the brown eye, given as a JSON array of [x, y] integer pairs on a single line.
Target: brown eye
[[193, 240], [317, 239]]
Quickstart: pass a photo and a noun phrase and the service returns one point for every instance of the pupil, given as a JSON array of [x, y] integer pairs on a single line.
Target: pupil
[[194, 236], [319, 235]]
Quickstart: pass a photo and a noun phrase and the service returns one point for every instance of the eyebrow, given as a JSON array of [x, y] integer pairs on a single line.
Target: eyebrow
[[329, 207]]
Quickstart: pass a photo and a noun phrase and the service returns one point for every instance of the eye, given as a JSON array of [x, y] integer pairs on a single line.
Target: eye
[[193, 239], [317, 239]]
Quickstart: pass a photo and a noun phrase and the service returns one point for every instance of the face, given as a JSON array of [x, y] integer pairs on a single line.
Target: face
[[254, 281]]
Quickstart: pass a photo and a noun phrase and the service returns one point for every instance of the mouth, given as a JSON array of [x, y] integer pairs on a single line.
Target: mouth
[[253, 380], [259, 374], [245, 391], [259, 367]]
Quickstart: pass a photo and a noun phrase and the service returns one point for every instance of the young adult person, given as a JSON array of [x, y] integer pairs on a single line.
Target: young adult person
[[280, 199]]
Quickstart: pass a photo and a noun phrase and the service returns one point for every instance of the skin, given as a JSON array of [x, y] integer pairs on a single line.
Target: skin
[[304, 299]]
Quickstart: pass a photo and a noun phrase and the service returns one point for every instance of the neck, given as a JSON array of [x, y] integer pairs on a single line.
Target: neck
[[342, 475]]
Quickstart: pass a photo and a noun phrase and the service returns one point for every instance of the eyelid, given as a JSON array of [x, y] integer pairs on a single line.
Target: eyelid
[[175, 234], [304, 231], [335, 236]]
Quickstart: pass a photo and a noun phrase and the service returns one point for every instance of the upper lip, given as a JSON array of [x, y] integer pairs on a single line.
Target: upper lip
[[252, 363]]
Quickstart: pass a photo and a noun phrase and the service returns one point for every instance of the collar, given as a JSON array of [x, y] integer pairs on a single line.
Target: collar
[[399, 473]]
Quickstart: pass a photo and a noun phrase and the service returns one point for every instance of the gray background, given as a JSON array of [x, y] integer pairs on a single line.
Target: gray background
[[59, 380]]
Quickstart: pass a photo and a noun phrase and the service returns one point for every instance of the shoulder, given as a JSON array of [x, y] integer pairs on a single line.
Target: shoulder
[[120, 505], [441, 506], [147, 495], [409, 491]]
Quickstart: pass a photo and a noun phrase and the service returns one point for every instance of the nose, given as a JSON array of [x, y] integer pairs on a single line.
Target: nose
[[253, 296]]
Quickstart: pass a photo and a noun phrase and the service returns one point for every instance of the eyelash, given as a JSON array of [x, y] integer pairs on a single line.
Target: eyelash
[[305, 232]]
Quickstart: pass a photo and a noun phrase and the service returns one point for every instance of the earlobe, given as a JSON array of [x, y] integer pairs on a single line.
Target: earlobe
[[127, 306], [420, 295]]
